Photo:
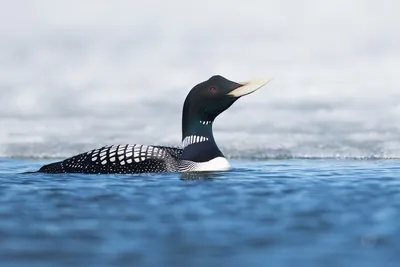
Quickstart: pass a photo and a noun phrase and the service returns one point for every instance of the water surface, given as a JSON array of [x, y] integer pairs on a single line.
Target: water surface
[[275, 212]]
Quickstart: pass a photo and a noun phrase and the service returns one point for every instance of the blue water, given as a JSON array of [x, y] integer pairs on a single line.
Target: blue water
[[262, 213]]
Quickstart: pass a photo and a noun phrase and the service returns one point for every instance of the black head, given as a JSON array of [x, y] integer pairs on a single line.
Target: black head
[[210, 98]]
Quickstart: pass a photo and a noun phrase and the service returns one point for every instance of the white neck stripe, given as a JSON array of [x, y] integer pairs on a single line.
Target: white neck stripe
[[193, 139]]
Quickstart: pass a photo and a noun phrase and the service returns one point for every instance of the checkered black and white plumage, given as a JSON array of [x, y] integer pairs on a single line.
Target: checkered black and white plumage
[[120, 159]]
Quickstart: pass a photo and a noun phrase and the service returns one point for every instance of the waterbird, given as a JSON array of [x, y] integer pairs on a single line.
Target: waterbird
[[199, 152]]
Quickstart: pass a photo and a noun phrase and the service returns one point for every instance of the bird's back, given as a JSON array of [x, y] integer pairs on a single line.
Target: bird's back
[[119, 159]]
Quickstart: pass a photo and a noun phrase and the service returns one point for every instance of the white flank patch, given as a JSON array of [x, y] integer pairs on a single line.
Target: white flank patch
[[216, 164]]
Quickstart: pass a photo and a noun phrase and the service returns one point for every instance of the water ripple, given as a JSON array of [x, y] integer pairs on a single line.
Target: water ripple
[[280, 211]]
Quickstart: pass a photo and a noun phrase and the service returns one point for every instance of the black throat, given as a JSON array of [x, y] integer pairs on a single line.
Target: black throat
[[198, 141]]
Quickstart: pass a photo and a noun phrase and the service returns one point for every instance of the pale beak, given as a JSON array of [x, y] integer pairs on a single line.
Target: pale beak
[[248, 87]]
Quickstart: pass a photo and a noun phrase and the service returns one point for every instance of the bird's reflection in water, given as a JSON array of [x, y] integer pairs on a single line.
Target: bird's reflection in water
[[208, 176]]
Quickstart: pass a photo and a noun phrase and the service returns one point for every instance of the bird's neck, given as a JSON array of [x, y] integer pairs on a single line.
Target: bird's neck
[[198, 141]]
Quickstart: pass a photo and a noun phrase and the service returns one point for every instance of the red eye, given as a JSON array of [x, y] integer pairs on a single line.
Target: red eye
[[213, 89]]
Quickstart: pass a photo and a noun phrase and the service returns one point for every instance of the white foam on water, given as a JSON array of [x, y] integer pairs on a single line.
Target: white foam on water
[[75, 76]]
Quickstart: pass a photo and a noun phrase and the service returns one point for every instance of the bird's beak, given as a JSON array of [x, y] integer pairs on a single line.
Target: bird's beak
[[248, 87]]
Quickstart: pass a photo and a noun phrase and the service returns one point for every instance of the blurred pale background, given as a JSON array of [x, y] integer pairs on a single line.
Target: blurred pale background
[[75, 75]]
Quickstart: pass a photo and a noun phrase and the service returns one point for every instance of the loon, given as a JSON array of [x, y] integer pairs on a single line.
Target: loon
[[199, 153]]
